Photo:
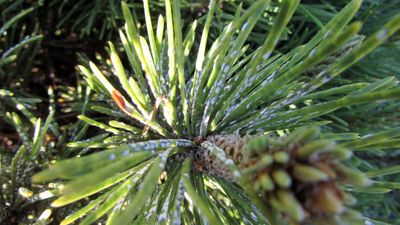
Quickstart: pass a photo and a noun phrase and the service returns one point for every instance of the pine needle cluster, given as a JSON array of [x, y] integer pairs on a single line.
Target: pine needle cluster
[[192, 122]]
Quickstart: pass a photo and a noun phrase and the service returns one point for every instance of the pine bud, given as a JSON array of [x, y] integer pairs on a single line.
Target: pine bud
[[297, 175]]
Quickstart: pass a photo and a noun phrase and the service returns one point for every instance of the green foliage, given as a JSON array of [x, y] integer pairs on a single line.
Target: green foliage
[[19, 41], [206, 121]]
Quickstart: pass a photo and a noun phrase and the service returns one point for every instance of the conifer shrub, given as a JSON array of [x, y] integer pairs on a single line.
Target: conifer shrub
[[178, 127]]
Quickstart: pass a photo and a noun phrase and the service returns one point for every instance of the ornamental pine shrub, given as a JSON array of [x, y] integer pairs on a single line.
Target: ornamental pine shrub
[[180, 127]]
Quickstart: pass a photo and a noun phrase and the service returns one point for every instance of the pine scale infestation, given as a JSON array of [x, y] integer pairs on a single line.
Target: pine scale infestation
[[200, 144]]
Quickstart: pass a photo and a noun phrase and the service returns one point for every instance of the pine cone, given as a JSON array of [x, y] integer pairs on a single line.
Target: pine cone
[[298, 175], [207, 162]]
